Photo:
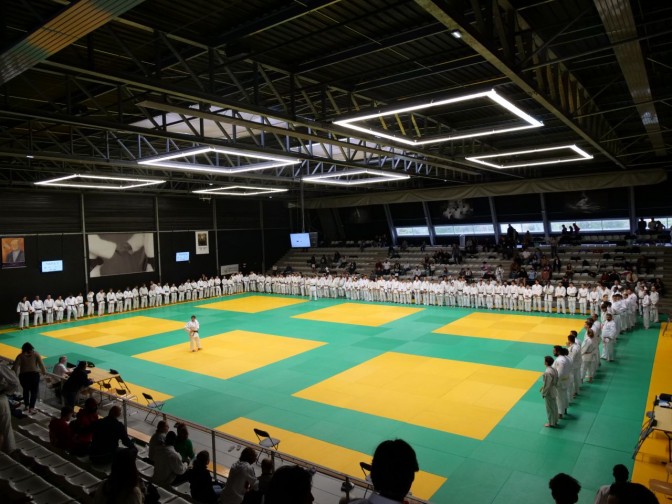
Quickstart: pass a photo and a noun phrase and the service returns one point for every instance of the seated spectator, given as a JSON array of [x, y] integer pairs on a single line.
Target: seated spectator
[[631, 493], [168, 466], [124, 485], [157, 439], [82, 426], [241, 478], [621, 475], [267, 470], [564, 489], [183, 444], [392, 471], [61, 370], [107, 433], [290, 485], [203, 489], [60, 434], [78, 380]]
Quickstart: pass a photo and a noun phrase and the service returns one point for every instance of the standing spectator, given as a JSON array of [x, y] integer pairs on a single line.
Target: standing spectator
[[241, 478], [28, 365]]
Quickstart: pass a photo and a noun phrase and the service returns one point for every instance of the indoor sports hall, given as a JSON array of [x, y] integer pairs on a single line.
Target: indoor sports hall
[[308, 227]]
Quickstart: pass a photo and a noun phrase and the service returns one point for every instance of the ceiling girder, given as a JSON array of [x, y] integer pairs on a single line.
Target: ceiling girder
[[557, 90]]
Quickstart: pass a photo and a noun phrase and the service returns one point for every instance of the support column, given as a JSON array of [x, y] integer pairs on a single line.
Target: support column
[[158, 237], [428, 220], [263, 241], [390, 225], [544, 217], [84, 244], [633, 211], [493, 216], [214, 225]]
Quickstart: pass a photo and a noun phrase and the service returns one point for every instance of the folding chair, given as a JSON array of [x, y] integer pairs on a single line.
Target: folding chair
[[154, 406], [268, 444], [124, 391], [366, 469]]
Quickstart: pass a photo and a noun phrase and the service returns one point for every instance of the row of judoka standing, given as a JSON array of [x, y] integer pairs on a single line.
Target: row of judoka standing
[[578, 361]]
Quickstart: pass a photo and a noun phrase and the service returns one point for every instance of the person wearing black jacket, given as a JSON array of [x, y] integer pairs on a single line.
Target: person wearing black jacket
[[79, 379], [203, 489]]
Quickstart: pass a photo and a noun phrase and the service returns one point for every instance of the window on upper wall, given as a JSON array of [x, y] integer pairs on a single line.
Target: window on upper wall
[[524, 227], [594, 225], [465, 229], [413, 231]]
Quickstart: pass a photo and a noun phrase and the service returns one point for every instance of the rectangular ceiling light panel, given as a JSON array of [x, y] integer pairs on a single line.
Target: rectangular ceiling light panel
[[519, 159], [527, 120], [168, 160], [98, 182], [240, 191], [344, 177]]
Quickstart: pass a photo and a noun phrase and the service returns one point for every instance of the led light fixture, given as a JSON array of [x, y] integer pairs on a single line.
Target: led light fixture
[[336, 177], [87, 182], [268, 161], [240, 191], [456, 34], [529, 121], [581, 155]]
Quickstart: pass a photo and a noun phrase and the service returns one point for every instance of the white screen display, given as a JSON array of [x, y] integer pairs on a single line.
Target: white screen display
[[181, 256], [51, 266], [300, 240]]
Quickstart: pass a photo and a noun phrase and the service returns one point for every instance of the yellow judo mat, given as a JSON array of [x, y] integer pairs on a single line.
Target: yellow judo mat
[[462, 398], [230, 354], [522, 328], [115, 331], [325, 454], [654, 453], [253, 304], [372, 315]]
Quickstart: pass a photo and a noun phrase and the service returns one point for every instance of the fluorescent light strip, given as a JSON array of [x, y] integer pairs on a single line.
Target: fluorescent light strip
[[225, 191], [271, 161], [59, 182], [583, 155], [332, 178], [492, 95]]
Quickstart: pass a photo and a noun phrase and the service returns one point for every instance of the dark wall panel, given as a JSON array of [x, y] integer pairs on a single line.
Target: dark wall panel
[[238, 213], [30, 281], [185, 213], [241, 246], [408, 214], [364, 223], [276, 214], [653, 201], [124, 212], [520, 208], [177, 272], [595, 204], [39, 212]]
